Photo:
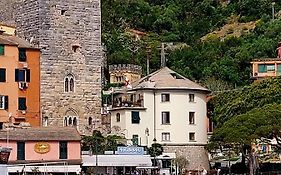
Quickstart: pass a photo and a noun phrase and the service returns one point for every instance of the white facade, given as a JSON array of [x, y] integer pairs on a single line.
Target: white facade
[[164, 106], [176, 130]]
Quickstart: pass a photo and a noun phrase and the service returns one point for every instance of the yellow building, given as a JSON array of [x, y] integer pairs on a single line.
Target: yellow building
[[119, 73]]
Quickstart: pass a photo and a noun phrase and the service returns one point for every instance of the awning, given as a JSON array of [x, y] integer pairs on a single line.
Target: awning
[[44, 168], [117, 160]]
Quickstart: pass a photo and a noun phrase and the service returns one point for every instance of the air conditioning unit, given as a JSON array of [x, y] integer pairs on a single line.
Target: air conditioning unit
[[23, 85]]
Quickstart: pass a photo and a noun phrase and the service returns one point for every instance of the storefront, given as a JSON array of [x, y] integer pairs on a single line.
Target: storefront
[[44, 168], [124, 161], [116, 164]]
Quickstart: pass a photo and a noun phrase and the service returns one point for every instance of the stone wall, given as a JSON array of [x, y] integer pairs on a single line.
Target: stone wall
[[7, 11], [196, 155], [68, 32]]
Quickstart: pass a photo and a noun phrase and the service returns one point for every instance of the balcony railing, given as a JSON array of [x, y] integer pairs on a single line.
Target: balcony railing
[[126, 103]]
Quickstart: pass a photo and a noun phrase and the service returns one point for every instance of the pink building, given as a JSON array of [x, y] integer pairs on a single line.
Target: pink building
[[44, 149]]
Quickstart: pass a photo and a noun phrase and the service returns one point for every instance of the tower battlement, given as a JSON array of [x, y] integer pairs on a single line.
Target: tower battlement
[[125, 67]]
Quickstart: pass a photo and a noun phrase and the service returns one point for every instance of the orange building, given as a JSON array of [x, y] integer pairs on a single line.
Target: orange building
[[264, 68], [19, 82]]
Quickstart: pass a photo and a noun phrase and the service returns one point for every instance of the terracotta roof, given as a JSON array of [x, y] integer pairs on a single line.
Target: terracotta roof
[[15, 41], [42, 134], [265, 59], [166, 78]]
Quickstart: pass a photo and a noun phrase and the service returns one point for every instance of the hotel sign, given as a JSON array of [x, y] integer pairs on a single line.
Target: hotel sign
[[130, 150]]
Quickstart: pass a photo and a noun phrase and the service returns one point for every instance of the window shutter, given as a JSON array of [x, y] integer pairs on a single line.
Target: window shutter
[[2, 75], [20, 151], [16, 75], [22, 104], [2, 50], [28, 75], [22, 54], [6, 102]]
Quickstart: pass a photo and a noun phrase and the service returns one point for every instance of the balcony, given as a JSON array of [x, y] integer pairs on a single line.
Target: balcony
[[128, 103]]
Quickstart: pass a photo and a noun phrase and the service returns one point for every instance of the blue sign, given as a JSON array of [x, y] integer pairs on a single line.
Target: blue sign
[[130, 150]]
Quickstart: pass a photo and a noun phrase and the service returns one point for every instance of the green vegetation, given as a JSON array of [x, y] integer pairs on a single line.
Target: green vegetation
[[225, 61], [97, 143], [247, 116]]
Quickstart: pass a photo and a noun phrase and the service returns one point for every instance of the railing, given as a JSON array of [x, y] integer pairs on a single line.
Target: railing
[[138, 103]]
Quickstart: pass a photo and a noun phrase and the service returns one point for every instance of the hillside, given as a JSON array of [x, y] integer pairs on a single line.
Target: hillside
[[234, 29], [218, 64]]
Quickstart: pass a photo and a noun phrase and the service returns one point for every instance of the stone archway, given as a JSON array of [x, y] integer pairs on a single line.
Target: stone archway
[[71, 118]]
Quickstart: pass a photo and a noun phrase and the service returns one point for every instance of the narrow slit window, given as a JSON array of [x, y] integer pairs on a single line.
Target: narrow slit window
[[62, 12]]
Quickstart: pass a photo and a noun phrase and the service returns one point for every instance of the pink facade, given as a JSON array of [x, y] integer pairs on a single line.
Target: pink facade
[[73, 151]]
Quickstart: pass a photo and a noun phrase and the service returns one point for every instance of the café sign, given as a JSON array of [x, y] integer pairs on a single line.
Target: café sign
[[42, 147]]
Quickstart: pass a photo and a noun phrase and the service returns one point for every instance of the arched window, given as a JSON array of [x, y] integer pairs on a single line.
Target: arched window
[[70, 121], [90, 121], [66, 85], [65, 121], [118, 117], [69, 83], [74, 121], [71, 118]]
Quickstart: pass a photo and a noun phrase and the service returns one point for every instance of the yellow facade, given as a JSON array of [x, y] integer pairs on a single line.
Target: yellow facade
[[127, 72], [10, 30]]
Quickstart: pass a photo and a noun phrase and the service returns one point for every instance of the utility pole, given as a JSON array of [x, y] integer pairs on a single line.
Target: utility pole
[[273, 10], [148, 52], [163, 58], [164, 47]]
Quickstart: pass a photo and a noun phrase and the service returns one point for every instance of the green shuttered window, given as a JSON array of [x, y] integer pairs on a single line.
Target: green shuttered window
[[20, 150], [2, 52], [22, 54], [135, 117], [22, 103]]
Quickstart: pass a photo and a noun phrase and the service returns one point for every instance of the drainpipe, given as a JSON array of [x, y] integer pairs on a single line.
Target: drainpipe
[[154, 115]]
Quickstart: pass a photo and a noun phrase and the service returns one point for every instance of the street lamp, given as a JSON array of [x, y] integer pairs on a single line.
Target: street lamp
[[96, 154], [154, 154]]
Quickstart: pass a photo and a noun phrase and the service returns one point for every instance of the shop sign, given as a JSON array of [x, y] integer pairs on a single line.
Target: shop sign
[[130, 150]]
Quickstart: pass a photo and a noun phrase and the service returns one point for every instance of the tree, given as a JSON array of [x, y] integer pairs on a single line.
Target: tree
[[97, 143], [155, 150], [246, 129], [93, 143], [248, 115]]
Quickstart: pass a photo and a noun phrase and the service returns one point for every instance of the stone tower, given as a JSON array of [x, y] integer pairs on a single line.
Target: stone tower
[[68, 32]]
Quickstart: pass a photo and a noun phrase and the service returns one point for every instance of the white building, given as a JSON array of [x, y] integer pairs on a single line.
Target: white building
[[168, 107]]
